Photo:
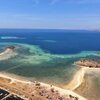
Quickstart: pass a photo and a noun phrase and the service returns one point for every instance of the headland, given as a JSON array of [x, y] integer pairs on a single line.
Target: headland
[[91, 63]]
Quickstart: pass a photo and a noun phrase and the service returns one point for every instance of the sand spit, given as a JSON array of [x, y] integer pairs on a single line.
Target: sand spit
[[86, 65], [83, 81], [7, 53], [89, 88], [77, 79]]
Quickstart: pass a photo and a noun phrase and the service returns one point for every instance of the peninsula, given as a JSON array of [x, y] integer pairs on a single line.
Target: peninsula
[[91, 63]]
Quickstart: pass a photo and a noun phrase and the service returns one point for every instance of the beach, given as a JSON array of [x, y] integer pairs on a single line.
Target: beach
[[90, 84], [12, 83]]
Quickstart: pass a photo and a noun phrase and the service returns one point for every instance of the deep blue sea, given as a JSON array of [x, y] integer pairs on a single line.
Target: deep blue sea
[[55, 41]]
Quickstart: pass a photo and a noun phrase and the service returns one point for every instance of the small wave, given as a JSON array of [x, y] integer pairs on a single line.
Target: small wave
[[51, 41], [11, 37]]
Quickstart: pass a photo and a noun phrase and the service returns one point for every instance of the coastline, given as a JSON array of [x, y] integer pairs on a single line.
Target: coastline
[[69, 89], [78, 78], [10, 80], [13, 80], [13, 77]]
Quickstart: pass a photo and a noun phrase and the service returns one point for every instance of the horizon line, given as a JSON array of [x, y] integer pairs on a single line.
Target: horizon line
[[52, 29]]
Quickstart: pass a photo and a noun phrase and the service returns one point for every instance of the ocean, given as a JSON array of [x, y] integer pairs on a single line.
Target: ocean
[[55, 41]]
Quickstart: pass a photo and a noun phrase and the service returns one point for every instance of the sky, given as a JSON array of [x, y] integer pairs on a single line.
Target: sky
[[50, 14]]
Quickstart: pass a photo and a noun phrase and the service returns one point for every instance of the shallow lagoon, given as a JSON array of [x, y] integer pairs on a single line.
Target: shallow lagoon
[[36, 64]]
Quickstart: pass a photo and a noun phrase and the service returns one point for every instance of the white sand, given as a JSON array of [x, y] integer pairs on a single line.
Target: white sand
[[77, 79], [8, 53]]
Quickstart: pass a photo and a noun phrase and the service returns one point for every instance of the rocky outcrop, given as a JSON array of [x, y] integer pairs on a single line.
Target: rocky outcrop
[[91, 63], [10, 47]]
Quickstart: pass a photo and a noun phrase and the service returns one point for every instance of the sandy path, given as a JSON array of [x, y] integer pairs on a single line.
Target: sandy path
[[14, 79]]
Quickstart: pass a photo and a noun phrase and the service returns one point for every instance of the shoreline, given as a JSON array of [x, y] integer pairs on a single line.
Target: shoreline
[[48, 86], [13, 79], [68, 89]]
